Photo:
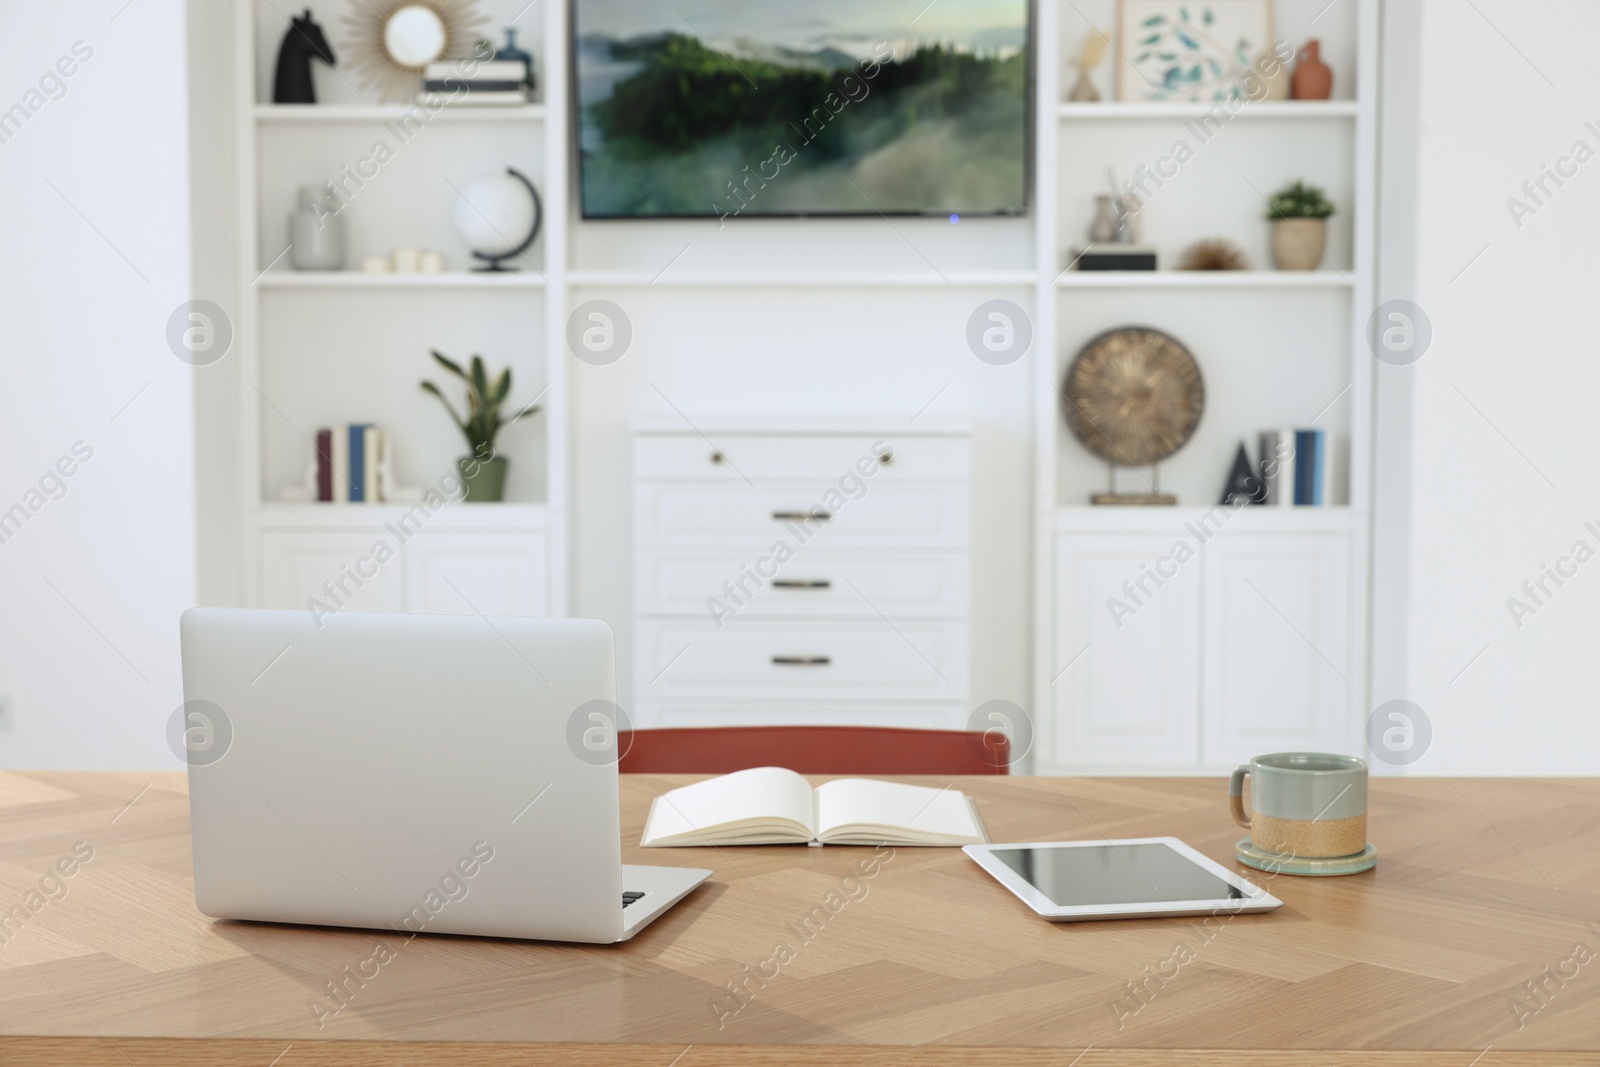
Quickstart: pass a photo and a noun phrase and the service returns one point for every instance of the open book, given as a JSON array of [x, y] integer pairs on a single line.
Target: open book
[[775, 806]]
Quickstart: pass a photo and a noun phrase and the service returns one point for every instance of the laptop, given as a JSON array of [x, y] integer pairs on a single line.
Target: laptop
[[415, 773]]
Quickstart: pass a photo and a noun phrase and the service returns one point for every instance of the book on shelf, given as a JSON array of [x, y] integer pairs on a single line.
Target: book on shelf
[[776, 806], [491, 82], [1294, 467], [353, 466]]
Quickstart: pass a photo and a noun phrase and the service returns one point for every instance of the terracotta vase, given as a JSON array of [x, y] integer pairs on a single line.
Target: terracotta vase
[[1313, 80], [1298, 244]]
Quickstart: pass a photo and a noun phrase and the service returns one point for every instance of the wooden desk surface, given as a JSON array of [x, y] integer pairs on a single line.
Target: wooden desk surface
[[1483, 886]]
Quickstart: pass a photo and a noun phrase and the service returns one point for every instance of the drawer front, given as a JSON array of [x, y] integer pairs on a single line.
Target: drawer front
[[882, 516], [819, 460], [904, 714], [764, 661], [680, 582]]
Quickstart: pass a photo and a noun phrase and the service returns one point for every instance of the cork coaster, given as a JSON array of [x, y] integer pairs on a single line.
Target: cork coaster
[[1248, 854]]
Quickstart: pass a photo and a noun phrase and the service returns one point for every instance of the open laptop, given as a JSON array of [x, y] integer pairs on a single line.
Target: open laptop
[[417, 773]]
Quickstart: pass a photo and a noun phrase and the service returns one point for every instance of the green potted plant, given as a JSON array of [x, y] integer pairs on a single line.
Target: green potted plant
[[483, 473], [1299, 215]]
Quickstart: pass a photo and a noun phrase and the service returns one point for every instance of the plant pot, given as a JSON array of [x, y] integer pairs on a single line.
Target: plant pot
[[484, 479], [1298, 244]]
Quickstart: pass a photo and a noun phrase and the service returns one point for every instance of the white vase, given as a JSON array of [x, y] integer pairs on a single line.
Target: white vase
[[316, 231]]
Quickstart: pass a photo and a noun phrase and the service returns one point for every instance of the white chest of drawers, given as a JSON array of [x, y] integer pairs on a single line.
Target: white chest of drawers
[[789, 572]]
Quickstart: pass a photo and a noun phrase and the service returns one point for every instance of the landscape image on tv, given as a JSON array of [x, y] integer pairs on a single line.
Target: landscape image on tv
[[718, 109]]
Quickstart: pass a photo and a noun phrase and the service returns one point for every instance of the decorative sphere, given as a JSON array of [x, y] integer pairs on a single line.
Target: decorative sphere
[[494, 215]]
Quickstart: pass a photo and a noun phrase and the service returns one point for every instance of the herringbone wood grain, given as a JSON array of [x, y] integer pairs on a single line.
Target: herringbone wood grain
[[1482, 886]]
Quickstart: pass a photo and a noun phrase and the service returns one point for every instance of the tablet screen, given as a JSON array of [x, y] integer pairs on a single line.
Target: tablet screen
[[1142, 873]]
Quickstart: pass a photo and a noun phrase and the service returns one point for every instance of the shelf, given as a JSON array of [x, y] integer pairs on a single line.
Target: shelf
[[1205, 279], [817, 280], [297, 113], [1255, 518], [356, 279], [453, 515], [1275, 109]]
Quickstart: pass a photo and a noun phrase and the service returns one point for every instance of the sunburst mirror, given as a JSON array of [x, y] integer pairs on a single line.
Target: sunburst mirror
[[393, 41], [1133, 396]]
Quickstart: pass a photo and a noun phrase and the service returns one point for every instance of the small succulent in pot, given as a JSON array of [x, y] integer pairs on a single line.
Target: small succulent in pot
[[484, 471], [1299, 215]]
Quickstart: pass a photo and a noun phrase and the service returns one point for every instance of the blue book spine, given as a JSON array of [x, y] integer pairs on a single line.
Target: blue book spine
[[1304, 465], [358, 448], [1320, 471], [1310, 467]]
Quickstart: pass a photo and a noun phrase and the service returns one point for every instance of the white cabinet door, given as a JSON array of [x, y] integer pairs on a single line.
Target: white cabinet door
[[1278, 674], [1125, 686], [478, 572], [337, 569]]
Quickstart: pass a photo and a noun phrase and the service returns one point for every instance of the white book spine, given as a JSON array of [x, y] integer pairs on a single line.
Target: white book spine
[[341, 465], [1286, 463]]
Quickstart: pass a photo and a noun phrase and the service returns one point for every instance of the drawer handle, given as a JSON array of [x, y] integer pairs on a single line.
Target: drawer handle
[[801, 661], [717, 457], [801, 516], [793, 583]]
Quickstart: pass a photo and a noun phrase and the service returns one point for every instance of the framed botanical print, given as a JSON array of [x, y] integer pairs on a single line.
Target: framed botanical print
[[1188, 50]]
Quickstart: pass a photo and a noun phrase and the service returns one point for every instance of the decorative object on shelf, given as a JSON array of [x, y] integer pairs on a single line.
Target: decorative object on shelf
[[1089, 57], [1213, 253], [405, 261], [316, 231], [1299, 215], [484, 471], [1274, 75], [1103, 230], [1244, 482], [393, 41], [1114, 257], [1313, 80], [1133, 396], [1188, 50], [303, 42], [306, 491], [510, 52], [499, 218]]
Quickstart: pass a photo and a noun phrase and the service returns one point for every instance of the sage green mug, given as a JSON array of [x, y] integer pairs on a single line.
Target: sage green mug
[[1306, 804]]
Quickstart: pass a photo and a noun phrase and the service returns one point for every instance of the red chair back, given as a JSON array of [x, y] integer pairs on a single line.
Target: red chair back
[[813, 750]]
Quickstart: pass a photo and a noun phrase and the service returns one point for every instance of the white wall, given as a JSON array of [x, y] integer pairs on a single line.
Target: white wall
[[95, 233], [1502, 407]]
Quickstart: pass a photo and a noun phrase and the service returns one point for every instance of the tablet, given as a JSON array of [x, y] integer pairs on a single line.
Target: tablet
[[1137, 877]]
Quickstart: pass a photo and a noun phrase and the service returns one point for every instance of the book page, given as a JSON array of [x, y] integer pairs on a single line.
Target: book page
[[723, 809], [852, 808]]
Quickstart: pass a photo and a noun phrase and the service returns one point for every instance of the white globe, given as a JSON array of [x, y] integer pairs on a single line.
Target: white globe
[[494, 215]]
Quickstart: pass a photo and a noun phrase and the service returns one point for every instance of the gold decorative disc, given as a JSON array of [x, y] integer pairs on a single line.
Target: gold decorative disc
[[1133, 396]]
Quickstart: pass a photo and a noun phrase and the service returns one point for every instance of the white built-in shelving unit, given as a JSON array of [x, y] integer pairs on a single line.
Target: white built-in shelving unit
[[327, 348], [1259, 642]]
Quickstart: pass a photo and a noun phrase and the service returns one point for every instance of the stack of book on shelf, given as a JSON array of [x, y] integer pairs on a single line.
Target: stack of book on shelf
[[350, 460], [495, 81], [1294, 467]]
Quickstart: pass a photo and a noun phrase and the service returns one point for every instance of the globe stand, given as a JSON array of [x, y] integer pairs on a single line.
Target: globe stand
[[495, 263], [1154, 498]]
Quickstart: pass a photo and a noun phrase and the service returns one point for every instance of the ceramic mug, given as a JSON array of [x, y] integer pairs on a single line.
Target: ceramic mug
[[1306, 804]]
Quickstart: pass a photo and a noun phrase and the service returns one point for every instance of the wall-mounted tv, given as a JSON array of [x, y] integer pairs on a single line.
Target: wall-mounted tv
[[740, 108]]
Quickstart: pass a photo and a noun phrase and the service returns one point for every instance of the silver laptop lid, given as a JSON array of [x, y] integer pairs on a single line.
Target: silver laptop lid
[[431, 773]]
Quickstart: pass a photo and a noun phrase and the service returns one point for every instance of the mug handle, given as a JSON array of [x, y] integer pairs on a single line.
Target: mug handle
[[1236, 795]]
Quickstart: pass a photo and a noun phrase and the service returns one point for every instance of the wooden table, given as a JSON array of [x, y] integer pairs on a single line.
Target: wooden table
[[1482, 887]]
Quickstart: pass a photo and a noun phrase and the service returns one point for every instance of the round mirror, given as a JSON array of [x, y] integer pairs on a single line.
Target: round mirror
[[414, 36]]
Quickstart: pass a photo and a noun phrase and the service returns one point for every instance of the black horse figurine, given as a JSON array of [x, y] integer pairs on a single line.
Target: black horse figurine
[[305, 39]]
